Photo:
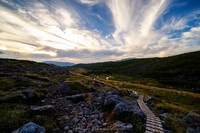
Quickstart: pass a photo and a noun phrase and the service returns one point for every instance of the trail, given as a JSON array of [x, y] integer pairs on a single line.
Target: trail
[[153, 123]]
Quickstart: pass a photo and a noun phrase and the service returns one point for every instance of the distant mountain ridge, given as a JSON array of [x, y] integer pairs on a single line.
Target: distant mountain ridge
[[59, 63]]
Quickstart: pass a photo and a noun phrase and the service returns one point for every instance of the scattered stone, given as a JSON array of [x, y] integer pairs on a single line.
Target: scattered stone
[[66, 128], [132, 95], [30, 128]]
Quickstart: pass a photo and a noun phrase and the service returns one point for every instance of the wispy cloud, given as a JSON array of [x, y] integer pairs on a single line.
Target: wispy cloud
[[56, 30]]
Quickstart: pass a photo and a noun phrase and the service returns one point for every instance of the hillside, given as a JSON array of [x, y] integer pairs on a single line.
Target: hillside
[[180, 71]]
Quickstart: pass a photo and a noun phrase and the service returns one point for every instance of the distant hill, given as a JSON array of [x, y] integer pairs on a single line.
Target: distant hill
[[125, 59], [175, 71], [59, 63]]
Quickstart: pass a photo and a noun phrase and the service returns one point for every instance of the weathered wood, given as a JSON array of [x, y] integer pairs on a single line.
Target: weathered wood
[[153, 123]]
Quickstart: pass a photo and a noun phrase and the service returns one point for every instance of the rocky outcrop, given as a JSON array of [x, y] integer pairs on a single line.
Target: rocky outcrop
[[77, 98], [121, 105], [30, 128]]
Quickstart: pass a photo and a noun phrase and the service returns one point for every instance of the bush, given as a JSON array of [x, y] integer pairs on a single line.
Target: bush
[[123, 92], [12, 118], [77, 87], [129, 117], [172, 125], [46, 121], [6, 84]]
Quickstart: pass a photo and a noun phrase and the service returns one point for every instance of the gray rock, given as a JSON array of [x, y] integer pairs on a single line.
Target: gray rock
[[122, 105], [147, 99], [132, 95], [57, 130], [166, 115], [167, 131], [30, 128], [192, 130], [77, 98], [123, 126], [70, 131], [75, 120], [191, 119], [65, 89], [28, 94], [42, 109]]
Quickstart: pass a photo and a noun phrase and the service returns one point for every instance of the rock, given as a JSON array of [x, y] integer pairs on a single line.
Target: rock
[[28, 94], [192, 130], [70, 131], [123, 126], [147, 99], [121, 105], [65, 89], [66, 128], [166, 115], [132, 95], [30, 128], [191, 119], [91, 89], [94, 116], [77, 98], [57, 130], [167, 131], [75, 120], [100, 100], [42, 109]]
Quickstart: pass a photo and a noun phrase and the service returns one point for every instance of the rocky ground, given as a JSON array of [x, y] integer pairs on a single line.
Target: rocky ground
[[36, 97]]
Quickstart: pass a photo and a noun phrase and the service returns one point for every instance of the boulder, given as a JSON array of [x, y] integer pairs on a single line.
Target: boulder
[[65, 88], [28, 94], [147, 99], [42, 109], [191, 119], [123, 126], [77, 98], [30, 128], [166, 115], [121, 105], [132, 95]]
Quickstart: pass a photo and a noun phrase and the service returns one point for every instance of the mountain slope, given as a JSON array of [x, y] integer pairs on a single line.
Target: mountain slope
[[180, 71]]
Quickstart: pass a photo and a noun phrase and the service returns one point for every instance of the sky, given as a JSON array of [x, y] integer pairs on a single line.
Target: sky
[[86, 31]]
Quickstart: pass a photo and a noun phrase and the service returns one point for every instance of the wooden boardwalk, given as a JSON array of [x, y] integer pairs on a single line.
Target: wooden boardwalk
[[153, 123]]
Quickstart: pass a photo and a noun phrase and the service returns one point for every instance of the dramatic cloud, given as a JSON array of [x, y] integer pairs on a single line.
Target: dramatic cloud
[[96, 30]]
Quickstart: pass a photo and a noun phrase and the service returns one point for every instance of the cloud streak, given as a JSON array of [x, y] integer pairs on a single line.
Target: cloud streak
[[57, 31]]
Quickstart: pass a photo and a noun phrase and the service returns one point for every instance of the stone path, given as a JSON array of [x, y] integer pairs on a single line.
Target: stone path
[[153, 123]]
